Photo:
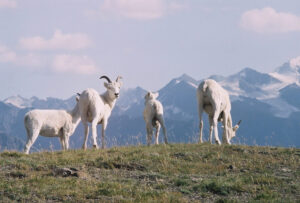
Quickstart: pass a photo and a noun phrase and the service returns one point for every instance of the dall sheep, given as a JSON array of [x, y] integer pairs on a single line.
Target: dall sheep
[[153, 116], [214, 100], [51, 123], [96, 109]]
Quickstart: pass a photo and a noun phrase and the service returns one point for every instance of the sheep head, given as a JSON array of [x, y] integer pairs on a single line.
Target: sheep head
[[113, 88], [233, 130], [151, 95]]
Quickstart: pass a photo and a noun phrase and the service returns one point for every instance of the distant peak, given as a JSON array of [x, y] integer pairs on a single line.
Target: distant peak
[[216, 77], [247, 70], [139, 88], [186, 78], [295, 62], [288, 68], [15, 97]]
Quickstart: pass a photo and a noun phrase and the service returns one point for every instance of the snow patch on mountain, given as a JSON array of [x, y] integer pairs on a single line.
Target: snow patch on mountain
[[281, 108], [18, 101], [170, 111], [287, 78], [295, 62], [193, 85]]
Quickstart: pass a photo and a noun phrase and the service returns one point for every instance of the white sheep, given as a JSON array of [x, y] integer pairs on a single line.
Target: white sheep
[[153, 116], [214, 100], [51, 123], [96, 109]]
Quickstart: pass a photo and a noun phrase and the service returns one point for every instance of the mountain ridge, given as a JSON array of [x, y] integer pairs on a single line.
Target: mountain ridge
[[269, 101]]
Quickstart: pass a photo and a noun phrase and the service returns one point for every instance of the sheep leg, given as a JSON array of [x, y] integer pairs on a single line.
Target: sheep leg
[[104, 125], [149, 133], [94, 133], [67, 142], [31, 138], [210, 129], [200, 112], [66, 139], [200, 126], [62, 142], [157, 133], [226, 129], [215, 126], [162, 123], [86, 133]]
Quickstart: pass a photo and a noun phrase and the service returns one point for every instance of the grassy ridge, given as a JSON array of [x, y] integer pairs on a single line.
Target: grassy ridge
[[172, 173]]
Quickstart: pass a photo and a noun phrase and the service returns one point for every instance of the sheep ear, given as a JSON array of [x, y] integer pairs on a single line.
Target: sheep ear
[[118, 78], [237, 126], [121, 83], [106, 85]]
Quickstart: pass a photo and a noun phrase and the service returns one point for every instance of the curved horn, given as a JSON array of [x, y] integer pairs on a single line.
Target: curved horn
[[118, 78], [78, 94], [239, 122], [105, 77]]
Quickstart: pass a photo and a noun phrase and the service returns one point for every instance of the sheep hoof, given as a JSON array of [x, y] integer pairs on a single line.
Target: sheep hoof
[[218, 142]]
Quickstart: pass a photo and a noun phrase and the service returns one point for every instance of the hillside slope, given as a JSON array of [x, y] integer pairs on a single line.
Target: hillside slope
[[177, 173]]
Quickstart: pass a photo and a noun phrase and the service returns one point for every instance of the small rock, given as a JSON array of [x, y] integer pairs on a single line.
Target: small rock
[[231, 167], [286, 170], [17, 174], [65, 172]]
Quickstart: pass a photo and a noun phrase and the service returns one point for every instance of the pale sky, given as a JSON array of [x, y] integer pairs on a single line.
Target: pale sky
[[55, 48]]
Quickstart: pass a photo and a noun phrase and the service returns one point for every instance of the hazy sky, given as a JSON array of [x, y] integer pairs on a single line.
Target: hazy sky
[[59, 47]]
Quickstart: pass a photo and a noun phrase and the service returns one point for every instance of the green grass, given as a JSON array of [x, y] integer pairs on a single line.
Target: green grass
[[164, 173]]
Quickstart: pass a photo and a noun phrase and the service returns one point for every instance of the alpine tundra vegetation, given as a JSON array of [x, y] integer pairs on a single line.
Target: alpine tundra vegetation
[[158, 173]]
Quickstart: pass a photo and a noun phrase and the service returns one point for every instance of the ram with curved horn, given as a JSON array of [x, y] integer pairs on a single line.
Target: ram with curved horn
[[214, 100], [105, 77], [96, 108]]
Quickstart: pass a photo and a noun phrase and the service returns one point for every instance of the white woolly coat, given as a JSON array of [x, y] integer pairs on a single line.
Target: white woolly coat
[[50, 123]]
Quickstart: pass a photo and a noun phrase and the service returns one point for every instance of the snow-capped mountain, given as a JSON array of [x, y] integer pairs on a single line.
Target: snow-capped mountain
[[268, 104], [19, 101], [130, 97], [287, 73], [249, 83], [35, 102]]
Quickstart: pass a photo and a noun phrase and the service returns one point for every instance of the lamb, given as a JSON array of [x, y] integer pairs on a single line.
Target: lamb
[[96, 109], [214, 100], [51, 123], [153, 116]]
